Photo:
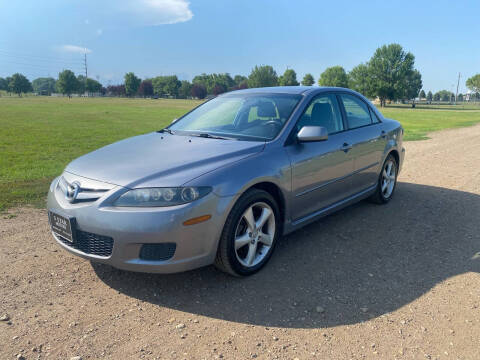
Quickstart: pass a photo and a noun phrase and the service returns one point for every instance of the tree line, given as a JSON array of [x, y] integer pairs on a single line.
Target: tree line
[[389, 75], [67, 84]]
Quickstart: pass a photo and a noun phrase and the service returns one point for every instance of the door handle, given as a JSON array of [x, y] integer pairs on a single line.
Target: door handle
[[383, 134], [346, 147]]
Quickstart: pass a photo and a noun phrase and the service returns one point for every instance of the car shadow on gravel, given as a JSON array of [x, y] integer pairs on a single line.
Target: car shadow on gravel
[[360, 263]]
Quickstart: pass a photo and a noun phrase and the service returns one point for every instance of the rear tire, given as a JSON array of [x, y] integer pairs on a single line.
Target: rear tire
[[387, 181], [249, 235]]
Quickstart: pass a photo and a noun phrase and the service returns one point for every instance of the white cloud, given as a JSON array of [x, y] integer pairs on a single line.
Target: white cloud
[[75, 49], [157, 12], [99, 32]]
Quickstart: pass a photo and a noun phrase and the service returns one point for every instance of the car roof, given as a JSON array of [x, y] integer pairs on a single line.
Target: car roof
[[285, 90]]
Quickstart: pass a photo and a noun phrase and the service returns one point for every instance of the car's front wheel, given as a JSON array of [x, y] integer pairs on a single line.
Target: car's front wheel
[[387, 181], [249, 234]]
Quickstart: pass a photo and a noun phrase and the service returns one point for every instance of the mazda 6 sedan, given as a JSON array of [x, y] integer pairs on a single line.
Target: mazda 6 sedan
[[224, 182]]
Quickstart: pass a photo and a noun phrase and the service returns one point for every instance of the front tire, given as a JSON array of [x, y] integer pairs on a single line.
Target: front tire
[[387, 181], [249, 235]]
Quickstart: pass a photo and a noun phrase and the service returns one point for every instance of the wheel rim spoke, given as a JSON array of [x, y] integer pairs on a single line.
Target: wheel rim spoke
[[263, 218], [248, 216], [384, 185], [252, 250], [266, 239], [242, 240]]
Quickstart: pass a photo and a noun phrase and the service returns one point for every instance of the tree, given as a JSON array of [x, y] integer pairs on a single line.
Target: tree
[[391, 73], [289, 78], [19, 84], [131, 84], [262, 76], [146, 88], [116, 90], [93, 86], [212, 81], [359, 80], [172, 84], [185, 89], [429, 96], [219, 89], [67, 83], [422, 94], [239, 80], [44, 86], [460, 97], [334, 76], [198, 91], [443, 95], [308, 80], [88, 85], [166, 85], [473, 83], [412, 85], [3, 84]]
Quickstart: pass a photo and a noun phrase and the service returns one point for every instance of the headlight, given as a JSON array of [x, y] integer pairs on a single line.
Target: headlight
[[161, 196]]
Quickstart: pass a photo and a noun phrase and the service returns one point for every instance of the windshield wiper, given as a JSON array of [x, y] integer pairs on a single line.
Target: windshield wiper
[[209, 136], [166, 131]]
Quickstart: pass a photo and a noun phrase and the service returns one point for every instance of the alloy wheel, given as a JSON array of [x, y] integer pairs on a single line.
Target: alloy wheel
[[254, 234], [389, 176]]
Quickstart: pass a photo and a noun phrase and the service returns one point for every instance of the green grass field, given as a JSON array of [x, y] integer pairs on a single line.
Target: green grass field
[[40, 135]]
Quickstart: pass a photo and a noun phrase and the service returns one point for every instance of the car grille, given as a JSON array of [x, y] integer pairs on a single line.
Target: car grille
[[91, 244], [157, 252]]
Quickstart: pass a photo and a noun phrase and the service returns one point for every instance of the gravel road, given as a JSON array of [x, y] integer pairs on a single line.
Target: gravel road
[[371, 282]]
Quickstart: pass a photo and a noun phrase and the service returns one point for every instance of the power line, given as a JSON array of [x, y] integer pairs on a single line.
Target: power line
[[39, 66], [38, 58]]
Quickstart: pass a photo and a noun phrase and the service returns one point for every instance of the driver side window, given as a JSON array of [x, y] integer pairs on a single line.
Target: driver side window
[[323, 111]]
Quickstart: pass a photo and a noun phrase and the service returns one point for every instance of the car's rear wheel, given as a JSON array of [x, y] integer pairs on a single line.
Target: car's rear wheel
[[387, 181], [249, 234]]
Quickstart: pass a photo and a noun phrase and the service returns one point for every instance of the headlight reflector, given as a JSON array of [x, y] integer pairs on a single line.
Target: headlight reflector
[[151, 197]]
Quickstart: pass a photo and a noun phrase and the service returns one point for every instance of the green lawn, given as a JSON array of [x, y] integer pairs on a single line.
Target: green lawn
[[40, 135], [418, 122]]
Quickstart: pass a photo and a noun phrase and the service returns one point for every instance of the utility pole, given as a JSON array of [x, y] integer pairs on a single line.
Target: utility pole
[[458, 83], [86, 71]]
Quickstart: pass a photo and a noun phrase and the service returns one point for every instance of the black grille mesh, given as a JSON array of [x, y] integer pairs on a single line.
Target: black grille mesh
[[157, 252], [89, 243]]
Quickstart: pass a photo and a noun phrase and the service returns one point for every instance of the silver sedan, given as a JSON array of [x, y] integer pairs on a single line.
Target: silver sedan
[[224, 182]]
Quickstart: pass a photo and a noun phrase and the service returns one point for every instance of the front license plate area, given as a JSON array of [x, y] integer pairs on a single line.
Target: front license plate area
[[62, 225]]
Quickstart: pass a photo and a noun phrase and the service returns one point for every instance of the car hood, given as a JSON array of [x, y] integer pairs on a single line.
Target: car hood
[[160, 159]]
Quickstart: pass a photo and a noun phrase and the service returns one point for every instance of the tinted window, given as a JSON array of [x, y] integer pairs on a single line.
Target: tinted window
[[357, 111], [322, 111]]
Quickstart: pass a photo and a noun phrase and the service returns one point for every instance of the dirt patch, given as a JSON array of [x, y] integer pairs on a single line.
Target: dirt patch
[[394, 282]]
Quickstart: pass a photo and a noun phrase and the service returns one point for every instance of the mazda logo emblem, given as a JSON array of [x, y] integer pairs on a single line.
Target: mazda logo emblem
[[72, 191]]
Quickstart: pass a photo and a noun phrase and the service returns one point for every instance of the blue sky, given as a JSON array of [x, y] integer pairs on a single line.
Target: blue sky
[[162, 37]]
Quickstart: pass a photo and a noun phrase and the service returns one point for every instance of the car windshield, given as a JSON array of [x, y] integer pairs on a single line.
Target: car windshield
[[257, 117]]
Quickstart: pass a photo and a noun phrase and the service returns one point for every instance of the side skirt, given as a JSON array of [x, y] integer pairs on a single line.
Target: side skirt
[[299, 223]]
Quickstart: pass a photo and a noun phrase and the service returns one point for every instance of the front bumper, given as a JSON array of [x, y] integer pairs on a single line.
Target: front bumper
[[131, 228]]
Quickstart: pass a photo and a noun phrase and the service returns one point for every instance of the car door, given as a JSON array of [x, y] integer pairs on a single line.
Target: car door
[[320, 170], [367, 140]]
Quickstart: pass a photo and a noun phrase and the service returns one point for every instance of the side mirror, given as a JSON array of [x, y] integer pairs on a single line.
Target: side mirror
[[312, 133]]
